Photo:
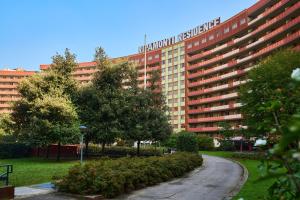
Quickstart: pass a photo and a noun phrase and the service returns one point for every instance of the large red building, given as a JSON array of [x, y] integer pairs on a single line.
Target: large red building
[[215, 63]]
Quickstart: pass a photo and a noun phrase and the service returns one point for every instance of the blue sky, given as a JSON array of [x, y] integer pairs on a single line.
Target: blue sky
[[32, 31]]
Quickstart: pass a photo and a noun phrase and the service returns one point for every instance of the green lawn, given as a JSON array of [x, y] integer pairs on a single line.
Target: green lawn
[[252, 189], [28, 171]]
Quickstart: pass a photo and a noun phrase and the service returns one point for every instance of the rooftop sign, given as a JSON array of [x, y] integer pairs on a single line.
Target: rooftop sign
[[181, 37]]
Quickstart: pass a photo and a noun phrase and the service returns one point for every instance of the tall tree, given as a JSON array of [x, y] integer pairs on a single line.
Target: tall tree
[[46, 114], [269, 98]]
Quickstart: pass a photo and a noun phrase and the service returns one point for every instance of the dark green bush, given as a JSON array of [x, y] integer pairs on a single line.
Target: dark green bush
[[171, 142], [205, 143], [119, 151], [249, 155], [112, 177], [226, 145], [187, 141], [14, 150]]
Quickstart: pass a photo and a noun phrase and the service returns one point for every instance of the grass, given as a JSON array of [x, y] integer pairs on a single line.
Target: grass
[[29, 171], [252, 189]]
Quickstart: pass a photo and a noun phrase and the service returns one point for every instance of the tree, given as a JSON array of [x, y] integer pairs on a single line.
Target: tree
[[46, 113], [269, 98], [6, 128], [287, 155], [145, 116]]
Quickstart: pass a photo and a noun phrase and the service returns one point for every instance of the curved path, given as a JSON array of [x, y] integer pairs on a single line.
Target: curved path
[[217, 179]]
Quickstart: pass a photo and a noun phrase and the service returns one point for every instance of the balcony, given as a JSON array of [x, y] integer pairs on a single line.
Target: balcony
[[215, 108], [213, 99], [215, 119], [216, 88], [203, 129]]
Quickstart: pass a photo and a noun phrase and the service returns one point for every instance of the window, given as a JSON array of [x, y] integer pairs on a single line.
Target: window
[[156, 56], [182, 57], [175, 67], [203, 40], [182, 65], [234, 26], [182, 73], [189, 46], [170, 77], [211, 37], [170, 60], [170, 52], [150, 58], [169, 69], [163, 54], [175, 59], [242, 21], [181, 48], [196, 43], [182, 99], [226, 30], [175, 50], [182, 82], [163, 62]]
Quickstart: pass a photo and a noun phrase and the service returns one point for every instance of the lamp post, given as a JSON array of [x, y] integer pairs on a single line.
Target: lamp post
[[82, 130]]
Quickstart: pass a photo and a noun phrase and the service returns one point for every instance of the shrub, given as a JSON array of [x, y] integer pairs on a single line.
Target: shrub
[[249, 155], [187, 141], [171, 142], [14, 150], [112, 177], [226, 145], [205, 142], [119, 151]]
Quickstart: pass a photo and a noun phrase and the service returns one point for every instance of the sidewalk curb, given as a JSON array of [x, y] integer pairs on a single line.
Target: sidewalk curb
[[243, 179]]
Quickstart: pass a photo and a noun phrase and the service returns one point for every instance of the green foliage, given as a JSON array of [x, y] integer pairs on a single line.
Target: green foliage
[[46, 113], [172, 141], [272, 105], [187, 141], [111, 178], [6, 128], [226, 145], [270, 98], [205, 142], [121, 151], [14, 150]]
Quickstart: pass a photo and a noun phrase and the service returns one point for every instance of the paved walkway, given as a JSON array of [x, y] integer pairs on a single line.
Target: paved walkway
[[217, 179]]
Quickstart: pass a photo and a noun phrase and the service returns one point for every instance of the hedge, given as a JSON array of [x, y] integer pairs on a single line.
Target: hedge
[[112, 177], [14, 150], [117, 151], [187, 141]]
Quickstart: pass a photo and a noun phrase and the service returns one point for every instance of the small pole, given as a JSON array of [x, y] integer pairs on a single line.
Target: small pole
[[81, 149], [145, 61]]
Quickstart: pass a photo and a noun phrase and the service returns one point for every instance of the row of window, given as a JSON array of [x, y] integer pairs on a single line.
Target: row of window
[[170, 52], [211, 37], [175, 100]]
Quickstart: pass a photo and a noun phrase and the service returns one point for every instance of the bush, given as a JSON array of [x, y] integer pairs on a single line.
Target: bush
[[227, 145], [14, 150], [249, 155], [187, 141], [205, 143], [171, 142], [112, 177], [118, 151]]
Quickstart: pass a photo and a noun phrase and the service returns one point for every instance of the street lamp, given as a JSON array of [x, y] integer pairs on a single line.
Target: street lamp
[[82, 130]]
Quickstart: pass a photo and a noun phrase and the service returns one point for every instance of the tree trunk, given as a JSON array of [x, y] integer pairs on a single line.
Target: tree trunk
[[47, 151], [86, 148], [58, 152], [38, 152], [103, 147], [138, 148]]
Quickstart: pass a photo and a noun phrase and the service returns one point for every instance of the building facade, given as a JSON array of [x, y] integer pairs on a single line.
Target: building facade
[[9, 80], [201, 75]]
